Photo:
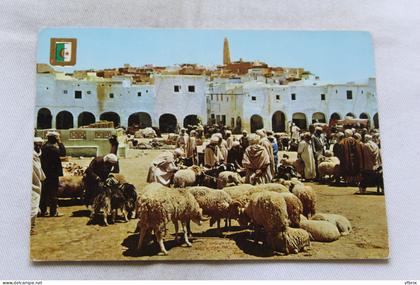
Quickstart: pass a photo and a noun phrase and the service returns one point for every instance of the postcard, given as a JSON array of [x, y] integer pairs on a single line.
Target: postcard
[[171, 144]]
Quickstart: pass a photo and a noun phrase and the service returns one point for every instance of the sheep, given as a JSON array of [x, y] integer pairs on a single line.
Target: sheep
[[216, 204], [307, 196], [296, 239], [159, 205], [269, 210], [228, 178], [342, 223], [70, 187], [294, 208], [328, 165], [187, 177], [240, 193], [274, 187], [320, 230]]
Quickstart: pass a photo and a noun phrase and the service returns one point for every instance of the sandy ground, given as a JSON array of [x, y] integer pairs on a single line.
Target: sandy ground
[[69, 238]]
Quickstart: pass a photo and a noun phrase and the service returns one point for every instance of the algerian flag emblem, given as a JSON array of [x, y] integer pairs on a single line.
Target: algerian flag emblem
[[63, 51]]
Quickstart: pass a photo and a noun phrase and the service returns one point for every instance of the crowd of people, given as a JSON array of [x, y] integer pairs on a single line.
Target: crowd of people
[[256, 155]]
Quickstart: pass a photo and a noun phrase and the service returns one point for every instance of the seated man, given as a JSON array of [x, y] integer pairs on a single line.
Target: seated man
[[164, 167], [98, 171]]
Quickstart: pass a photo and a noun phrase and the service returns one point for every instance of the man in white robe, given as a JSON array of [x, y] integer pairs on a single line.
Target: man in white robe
[[306, 153], [164, 167], [37, 177]]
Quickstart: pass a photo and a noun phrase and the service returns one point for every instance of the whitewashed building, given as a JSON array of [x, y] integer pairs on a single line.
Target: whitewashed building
[[65, 102], [255, 104], [249, 102]]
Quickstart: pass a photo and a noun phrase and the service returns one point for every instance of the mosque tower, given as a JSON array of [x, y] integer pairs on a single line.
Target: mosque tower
[[226, 52]]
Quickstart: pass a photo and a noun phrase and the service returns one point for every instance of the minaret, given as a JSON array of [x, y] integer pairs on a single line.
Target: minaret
[[226, 52]]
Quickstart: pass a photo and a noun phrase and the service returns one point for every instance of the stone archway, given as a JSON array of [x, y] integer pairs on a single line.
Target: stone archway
[[112, 117], [44, 119], [350, 114], [318, 117], [167, 123], [256, 123], [64, 120], [334, 117], [300, 120], [139, 120], [278, 122], [85, 118], [191, 120]]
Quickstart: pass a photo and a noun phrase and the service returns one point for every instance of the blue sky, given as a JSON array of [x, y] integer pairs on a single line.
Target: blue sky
[[334, 56]]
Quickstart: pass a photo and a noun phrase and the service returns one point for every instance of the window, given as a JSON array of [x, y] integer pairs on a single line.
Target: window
[[218, 118], [147, 90], [139, 94], [88, 92], [47, 88], [65, 91], [177, 88], [221, 97], [111, 95], [277, 97], [349, 95], [293, 96], [217, 97], [224, 119], [253, 98], [78, 94], [322, 97], [361, 91], [227, 99], [191, 88], [336, 91], [211, 97]]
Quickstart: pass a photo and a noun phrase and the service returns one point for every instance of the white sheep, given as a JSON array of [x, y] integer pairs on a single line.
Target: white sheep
[[268, 210], [320, 230], [329, 166], [308, 198], [187, 177], [228, 178], [296, 240], [274, 187], [342, 223], [294, 208], [159, 205], [216, 204]]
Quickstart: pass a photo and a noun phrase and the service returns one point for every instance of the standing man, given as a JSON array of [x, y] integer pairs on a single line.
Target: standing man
[[98, 171], [295, 133], [306, 153], [37, 177], [256, 162], [51, 165], [191, 149], [275, 146], [212, 153], [268, 146], [244, 140], [182, 140], [351, 161], [317, 146]]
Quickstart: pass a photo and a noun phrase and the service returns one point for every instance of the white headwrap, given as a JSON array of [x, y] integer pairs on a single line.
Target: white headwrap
[[348, 133], [178, 152], [214, 139], [110, 157], [38, 140], [261, 133], [52, 133]]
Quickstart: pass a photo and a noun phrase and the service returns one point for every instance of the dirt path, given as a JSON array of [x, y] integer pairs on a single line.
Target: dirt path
[[69, 238]]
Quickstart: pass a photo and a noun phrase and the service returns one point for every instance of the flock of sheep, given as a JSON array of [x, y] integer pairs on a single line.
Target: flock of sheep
[[283, 215]]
